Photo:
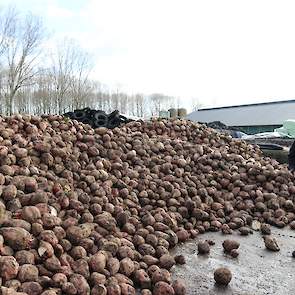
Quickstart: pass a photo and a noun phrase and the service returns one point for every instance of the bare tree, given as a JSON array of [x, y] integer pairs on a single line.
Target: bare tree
[[81, 87], [124, 100], [159, 102], [7, 27], [70, 72], [156, 100], [115, 100], [140, 105], [43, 93], [21, 56], [62, 72]]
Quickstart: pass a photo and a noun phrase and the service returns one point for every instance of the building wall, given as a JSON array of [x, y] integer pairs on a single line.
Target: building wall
[[265, 114]]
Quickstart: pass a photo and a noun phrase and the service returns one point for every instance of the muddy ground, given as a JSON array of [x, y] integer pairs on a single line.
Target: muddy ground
[[256, 271]]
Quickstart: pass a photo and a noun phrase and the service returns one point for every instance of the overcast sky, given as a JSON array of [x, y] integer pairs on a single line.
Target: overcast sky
[[221, 52]]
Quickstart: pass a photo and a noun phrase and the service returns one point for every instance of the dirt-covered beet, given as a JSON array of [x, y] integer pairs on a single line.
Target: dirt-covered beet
[[28, 273], [179, 259], [222, 276], [203, 247], [271, 243], [229, 245], [163, 288], [179, 287], [8, 267]]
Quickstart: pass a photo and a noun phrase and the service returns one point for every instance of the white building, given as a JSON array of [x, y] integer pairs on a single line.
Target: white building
[[250, 118]]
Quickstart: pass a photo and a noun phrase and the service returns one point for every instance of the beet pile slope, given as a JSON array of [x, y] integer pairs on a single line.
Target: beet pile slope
[[95, 211]]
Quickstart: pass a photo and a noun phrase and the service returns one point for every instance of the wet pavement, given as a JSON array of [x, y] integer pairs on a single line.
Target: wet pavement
[[256, 271]]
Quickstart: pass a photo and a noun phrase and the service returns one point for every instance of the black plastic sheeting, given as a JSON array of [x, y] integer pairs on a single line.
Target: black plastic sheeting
[[98, 118], [217, 125], [220, 125], [270, 146]]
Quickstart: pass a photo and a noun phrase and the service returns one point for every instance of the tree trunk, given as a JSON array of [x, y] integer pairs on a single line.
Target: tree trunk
[[10, 98]]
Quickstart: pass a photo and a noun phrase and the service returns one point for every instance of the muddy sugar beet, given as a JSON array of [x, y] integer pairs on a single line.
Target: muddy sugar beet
[[86, 211]]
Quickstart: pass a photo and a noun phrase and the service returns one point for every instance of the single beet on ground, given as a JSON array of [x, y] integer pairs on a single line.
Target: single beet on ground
[[86, 211]]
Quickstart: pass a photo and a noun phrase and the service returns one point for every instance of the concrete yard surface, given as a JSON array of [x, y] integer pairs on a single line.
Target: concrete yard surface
[[256, 271]]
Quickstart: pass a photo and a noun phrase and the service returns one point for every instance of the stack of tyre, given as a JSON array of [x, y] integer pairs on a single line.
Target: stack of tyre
[[98, 118]]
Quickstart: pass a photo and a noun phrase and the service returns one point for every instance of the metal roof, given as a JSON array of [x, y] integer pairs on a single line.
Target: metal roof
[[250, 104], [259, 114]]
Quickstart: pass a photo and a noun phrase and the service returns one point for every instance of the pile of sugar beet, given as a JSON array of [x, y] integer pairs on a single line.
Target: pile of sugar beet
[[95, 211]]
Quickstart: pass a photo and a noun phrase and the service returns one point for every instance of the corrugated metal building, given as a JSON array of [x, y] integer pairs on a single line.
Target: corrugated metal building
[[249, 118]]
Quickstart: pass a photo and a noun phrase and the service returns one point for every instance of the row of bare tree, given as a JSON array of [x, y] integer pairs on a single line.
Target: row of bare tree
[[37, 79]]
